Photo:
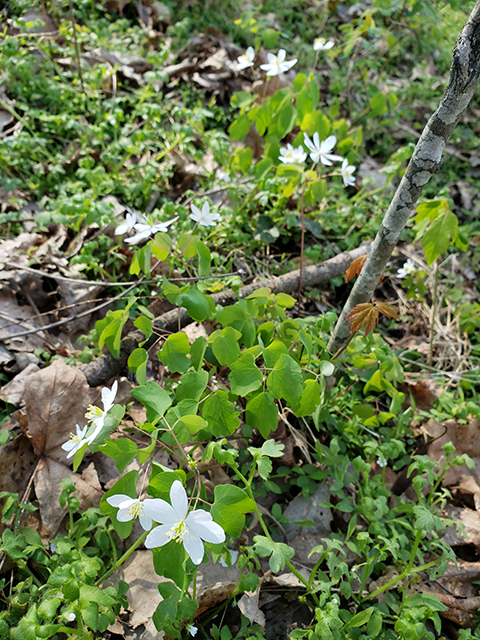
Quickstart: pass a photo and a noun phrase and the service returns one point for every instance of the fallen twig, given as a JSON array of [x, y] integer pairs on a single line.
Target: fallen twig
[[105, 366]]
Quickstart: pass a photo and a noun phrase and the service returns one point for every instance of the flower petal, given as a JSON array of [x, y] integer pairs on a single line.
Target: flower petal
[[158, 537], [117, 499], [194, 547], [160, 511], [179, 500], [145, 522], [201, 523], [123, 515]]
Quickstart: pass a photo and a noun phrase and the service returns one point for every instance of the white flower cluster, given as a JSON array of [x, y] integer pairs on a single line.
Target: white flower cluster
[[204, 218], [174, 521], [320, 151], [96, 417]]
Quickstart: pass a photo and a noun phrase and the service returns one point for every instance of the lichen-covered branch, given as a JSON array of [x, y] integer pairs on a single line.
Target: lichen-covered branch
[[426, 159]]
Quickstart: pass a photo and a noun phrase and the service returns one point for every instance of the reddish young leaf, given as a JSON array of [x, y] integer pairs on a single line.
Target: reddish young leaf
[[387, 309], [355, 268], [365, 315]]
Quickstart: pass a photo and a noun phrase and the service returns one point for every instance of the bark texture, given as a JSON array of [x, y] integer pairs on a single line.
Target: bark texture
[[105, 366], [426, 159]]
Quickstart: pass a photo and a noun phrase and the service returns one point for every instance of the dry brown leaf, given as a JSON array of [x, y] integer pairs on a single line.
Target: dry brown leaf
[[13, 391], [248, 605], [470, 520], [17, 463], [47, 479], [466, 440], [56, 399]]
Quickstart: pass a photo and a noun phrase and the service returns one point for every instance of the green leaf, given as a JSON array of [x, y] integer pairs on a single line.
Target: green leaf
[[155, 399], [327, 368], [225, 345], [242, 99], [239, 128], [198, 305], [374, 625], [286, 380], [262, 168], [220, 414], [193, 423], [378, 104], [271, 449], [272, 353], [90, 593], [192, 385], [137, 363], [174, 352], [122, 450], [279, 552], [13, 546], [48, 608], [169, 561], [262, 413], [204, 258], [284, 300], [285, 120], [310, 400], [441, 232], [229, 509], [90, 615], [197, 352], [160, 484], [360, 618], [126, 485], [245, 376], [145, 325]]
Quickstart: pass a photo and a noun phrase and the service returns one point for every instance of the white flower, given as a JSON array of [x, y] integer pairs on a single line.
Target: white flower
[[96, 416], [223, 175], [321, 150], [381, 461], [277, 64], [146, 230], [129, 509], [76, 442], [192, 630], [176, 525], [204, 217], [246, 60], [130, 222], [408, 268], [320, 44], [70, 616], [291, 154], [347, 171], [233, 558]]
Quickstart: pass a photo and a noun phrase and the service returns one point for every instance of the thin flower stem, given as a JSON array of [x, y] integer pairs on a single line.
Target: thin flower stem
[[302, 243], [432, 317], [295, 572], [125, 556]]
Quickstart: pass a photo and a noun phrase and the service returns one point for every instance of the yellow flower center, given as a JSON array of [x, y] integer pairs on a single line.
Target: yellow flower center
[[93, 412], [74, 437], [178, 531], [135, 509]]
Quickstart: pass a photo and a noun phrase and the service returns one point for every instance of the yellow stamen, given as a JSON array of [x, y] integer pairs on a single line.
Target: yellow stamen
[[93, 412], [178, 532], [135, 509]]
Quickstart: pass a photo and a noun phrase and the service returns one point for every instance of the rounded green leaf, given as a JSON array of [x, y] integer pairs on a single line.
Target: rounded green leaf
[[262, 413], [174, 352], [245, 376], [286, 380]]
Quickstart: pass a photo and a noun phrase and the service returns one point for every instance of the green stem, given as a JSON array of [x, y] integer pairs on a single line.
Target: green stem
[[409, 570], [126, 555], [296, 573]]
